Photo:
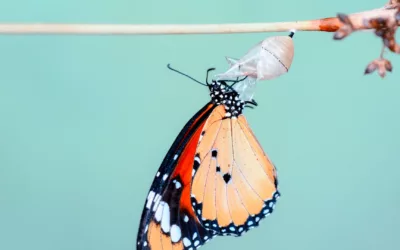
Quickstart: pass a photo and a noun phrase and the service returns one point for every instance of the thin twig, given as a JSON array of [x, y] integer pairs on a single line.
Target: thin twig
[[331, 24]]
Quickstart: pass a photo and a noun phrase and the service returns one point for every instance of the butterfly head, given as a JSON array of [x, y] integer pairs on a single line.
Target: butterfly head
[[222, 93]]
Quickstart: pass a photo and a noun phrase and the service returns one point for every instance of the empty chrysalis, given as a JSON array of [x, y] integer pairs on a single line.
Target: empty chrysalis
[[266, 60]]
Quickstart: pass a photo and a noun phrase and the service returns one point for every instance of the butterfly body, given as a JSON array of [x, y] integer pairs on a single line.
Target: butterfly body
[[215, 179]]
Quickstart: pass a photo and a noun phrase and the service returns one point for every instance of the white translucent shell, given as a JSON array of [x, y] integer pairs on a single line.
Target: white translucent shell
[[266, 60]]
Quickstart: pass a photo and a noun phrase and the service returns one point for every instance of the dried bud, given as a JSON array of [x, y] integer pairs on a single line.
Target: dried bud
[[394, 2], [371, 68], [386, 29], [381, 64], [388, 66], [346, 29], [344, 19], [341, 33]]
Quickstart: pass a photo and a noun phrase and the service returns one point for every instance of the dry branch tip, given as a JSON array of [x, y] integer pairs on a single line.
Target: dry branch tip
[[384, 25]]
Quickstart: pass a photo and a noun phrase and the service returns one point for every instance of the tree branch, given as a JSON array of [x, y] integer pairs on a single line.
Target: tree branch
[[384, 21], [385, 26], [331, 24]]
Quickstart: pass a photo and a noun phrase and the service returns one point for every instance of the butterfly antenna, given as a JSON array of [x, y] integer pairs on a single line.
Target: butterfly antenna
[[177, 71], [239, 80], [208, 71], [236, 81], [251, 104]]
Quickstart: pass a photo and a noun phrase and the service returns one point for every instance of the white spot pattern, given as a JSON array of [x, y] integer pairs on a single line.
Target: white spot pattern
[[156, 201], [186, 242], [165, 177], [165, 221], [158, 215], [176, 233], [150, 198]]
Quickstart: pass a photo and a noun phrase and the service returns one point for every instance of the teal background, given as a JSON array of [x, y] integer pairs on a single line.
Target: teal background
[[85, 122]]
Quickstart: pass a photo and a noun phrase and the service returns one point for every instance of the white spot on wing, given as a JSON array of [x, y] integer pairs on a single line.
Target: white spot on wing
[[178, 185], [150, 198], [165, 177], [175, 233], [186, 218], [175, 157], [165, 221], [186, 242], [156, 201], [159, 211]]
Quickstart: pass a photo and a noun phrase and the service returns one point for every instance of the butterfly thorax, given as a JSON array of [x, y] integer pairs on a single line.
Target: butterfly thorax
[[222, 94]]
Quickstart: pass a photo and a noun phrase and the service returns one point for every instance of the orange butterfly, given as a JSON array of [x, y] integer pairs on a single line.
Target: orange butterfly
[[214, 180]]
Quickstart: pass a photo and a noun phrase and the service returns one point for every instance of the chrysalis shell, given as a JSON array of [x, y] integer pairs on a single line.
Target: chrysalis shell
[[268, 59]]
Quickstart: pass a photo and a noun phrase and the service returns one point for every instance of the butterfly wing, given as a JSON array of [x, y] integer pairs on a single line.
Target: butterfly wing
[[235, 184], [168, 221]]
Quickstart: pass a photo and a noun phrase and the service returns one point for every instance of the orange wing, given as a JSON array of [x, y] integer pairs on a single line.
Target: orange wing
[[234, 184], [168, 221], [215, 179]]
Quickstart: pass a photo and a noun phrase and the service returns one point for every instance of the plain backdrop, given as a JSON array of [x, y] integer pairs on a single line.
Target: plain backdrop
[[85, 122]]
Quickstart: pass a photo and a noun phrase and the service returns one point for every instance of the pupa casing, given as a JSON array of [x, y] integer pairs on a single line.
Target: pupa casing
[[266, 60]]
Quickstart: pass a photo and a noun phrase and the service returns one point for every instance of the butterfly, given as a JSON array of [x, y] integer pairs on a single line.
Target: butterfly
[[215, 179]]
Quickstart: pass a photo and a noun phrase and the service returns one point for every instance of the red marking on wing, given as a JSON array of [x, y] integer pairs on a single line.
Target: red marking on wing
[[200, 116], [184, 169], [182, 146]]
